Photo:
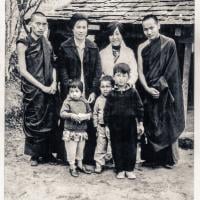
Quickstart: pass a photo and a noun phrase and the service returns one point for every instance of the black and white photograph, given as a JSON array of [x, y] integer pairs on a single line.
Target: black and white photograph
[[99, 100]]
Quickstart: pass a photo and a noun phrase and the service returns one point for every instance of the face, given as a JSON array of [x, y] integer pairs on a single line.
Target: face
[[105, 88], [75, 93], [80, 30], [151, 28], [121, 79], [116, 38], [38, 25]]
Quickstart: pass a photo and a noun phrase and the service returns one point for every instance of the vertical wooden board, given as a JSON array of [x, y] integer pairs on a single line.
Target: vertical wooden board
[[186, 73]]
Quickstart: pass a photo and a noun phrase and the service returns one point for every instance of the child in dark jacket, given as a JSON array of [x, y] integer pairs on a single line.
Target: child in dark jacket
[[123, 117]]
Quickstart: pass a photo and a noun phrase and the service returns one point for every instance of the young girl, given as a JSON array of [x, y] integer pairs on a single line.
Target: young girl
[[122, 111], [76, 111]]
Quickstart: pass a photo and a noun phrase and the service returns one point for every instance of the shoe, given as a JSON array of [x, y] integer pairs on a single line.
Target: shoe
[[84, 170], [73, 172], [98, 169], [109, 164], [121, 175], [150, 164], [168, 166], [130, 175], [34, 163], [52, 160]]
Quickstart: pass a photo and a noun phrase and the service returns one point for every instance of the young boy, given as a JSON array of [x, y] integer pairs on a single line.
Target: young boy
[[103, 148], [122, 111]]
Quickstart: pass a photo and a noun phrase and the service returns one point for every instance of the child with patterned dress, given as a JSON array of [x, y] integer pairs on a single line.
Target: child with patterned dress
[[123, 117], [76, 112], [103, 149]]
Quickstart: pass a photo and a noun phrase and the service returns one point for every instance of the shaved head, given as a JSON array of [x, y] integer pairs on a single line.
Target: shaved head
[[37, 14]]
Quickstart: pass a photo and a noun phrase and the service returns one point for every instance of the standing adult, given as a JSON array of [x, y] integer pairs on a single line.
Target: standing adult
[[39, 88], [118, 52], [159, 75], [79, 59]]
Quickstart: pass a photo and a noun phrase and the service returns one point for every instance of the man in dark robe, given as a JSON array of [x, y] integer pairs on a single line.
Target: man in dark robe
[[39, 88], [159, 76]]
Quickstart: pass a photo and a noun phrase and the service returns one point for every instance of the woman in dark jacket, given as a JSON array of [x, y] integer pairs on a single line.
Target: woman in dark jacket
[[79, 59]]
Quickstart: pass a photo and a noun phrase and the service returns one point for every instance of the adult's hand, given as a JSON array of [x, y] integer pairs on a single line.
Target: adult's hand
[[53, 87], [91, 97], [46, 89], [140, 128], [153, 92]]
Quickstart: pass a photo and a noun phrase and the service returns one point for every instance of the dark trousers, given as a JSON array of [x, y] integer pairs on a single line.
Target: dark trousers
[[124, 154], [90, 145]]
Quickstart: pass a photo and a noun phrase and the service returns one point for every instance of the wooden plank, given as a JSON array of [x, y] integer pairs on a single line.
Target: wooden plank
[[186, 73]]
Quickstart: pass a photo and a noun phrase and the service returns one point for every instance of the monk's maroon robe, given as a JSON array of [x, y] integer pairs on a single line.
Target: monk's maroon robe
[[39, 109], [164, 117]]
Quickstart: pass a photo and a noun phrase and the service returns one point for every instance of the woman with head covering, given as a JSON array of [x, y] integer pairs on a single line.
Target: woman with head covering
[[118, 52]]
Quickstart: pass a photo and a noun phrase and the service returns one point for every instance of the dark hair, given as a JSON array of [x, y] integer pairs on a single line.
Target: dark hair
[[75, 84], [150, 17], [107, 78], [77, 17], [37, 14], [122, 68], [112, 27]]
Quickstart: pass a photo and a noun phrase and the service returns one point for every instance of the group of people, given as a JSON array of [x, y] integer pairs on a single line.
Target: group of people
[[87, 102]]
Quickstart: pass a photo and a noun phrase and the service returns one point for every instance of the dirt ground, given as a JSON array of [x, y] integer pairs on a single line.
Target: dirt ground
[[23, 182]]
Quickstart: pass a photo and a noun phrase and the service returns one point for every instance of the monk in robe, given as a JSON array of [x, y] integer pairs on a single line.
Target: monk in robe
[[162, 96], [39, 88]]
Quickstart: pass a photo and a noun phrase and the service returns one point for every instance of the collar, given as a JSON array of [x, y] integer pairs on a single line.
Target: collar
[[33, 39], [71, 43], [79, 45], [116, 88], [155, 40], [101, 96], [117, 48]]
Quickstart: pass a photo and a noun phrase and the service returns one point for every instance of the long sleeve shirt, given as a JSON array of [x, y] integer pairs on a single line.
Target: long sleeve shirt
[[99, 111]]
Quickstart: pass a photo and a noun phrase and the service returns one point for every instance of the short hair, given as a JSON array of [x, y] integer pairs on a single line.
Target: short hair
[[150, 17], [75, 84], [122, 68], [37, 14], [107, 78], [113, 26], [77, 17]]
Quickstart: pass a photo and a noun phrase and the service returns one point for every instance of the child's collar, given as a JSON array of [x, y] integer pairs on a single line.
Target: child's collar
[[116, 88], [70, 99]]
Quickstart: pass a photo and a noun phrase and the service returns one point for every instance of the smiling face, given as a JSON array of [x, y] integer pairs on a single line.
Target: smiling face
[[116, 38], [121, 79], [80, 30], [38, 26], [105, 88], [75, 93], [151, 28]]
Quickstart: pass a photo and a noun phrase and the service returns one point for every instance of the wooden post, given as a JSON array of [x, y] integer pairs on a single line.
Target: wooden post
[[186, 73]]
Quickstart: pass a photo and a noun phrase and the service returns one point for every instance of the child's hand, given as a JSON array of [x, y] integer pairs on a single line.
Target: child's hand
[[107, 130], [75, 117], [96, 131], [140, 128], [83, 116]]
